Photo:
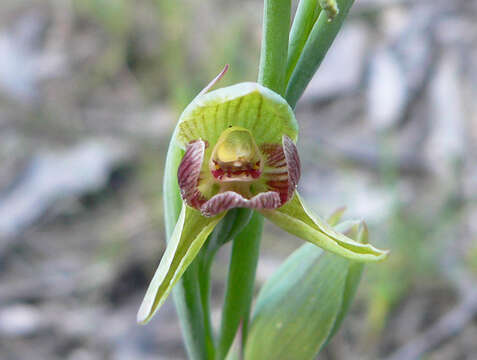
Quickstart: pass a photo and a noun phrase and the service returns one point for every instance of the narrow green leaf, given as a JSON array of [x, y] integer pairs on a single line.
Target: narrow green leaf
[[226, 230], [297, 220], [359, 232], [240, 284], [187, 301], [189, 235], [304, 302], [319, 41], [297, 307], [273, 56], [305, 16]]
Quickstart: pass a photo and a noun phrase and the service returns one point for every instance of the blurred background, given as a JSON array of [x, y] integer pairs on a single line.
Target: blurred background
[[89, 93]]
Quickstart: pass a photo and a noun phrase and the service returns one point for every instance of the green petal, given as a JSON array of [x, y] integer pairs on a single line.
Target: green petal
[[189, 235], [249, 105], [294, 218]]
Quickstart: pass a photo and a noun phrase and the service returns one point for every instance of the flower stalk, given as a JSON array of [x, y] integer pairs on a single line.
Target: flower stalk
[[317, 44]]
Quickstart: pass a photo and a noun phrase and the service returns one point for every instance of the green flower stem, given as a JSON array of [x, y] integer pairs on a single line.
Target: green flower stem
[[240, 284], [245, 248], [319, 41], [186, 293], [306, 15], [189, 309], [273, 57], [204, 288], [228, 228]]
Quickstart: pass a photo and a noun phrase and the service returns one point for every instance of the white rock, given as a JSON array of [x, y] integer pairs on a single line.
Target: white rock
[[20, 320], [23, 62], [446, 140], [342, 68], [54, 175], [386, 94]]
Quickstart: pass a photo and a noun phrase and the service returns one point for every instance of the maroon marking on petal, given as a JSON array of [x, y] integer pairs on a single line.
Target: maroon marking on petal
[[285, 163], [293, 164], [230, 199], [275, 155], [188, 174], [230, 172], [279, 184]]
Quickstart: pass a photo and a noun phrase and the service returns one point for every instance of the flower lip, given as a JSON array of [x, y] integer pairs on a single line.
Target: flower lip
[[230, 199], [240, 150], [210, 188], [236, 157]]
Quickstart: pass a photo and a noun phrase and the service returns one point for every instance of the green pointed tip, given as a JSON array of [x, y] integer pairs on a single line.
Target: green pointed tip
[[189, 235], [299, 221], [363, 234], [143, 315], [336, 216]]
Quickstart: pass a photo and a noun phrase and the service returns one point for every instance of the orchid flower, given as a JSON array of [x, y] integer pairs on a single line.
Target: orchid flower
[[239, 152]]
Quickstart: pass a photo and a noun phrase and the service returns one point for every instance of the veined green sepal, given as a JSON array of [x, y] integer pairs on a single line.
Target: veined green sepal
[[295, 218], [189, 235], [248, 105]]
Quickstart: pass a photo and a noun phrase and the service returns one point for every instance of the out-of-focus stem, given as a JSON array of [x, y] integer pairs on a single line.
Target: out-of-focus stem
[[306, 15], [186, 292], [273, 56], [319, 41], [240, 284], [245, 248]]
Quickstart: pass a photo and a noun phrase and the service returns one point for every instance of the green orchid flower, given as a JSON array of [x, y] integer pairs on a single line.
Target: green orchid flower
[[239, 152]]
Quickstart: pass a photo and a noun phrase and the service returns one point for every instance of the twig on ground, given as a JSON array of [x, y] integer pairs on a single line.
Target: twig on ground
[[449, 325]]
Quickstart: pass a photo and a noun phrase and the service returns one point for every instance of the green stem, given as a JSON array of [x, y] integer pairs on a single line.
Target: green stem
[[186, 293], [319, 41], [204, 288], [245, 248], [233, 223], [189, 309], [306, 15], [240, 284], [273, 56], [206, 256]]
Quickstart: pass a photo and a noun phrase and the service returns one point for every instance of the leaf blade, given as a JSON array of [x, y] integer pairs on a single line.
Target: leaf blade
[[287, 323], [302, 305]]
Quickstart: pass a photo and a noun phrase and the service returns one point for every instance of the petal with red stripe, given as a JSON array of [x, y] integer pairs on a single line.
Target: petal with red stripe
[[230, 199], [188, 174], [282, 168]]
